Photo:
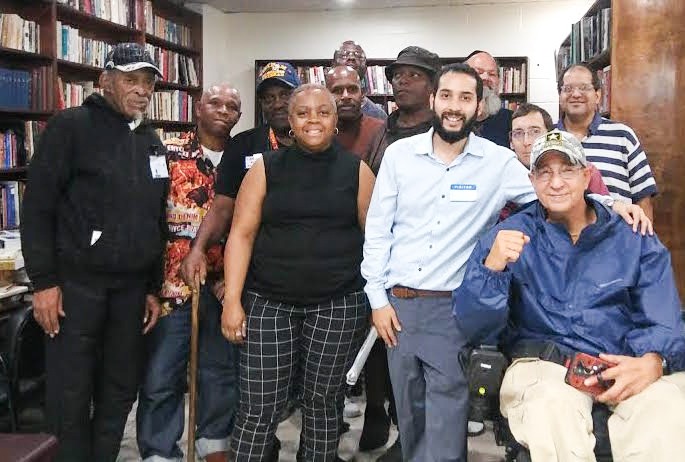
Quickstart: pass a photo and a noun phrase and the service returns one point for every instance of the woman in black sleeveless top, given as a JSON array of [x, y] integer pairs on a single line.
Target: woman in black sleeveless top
[[294, 297]]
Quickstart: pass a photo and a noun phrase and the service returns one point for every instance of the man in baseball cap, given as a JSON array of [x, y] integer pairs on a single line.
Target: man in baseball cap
[[93, 234]]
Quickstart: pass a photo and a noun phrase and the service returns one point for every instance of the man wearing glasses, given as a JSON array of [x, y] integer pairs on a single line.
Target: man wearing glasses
[[352, 54], [550, 278], [612, 146]]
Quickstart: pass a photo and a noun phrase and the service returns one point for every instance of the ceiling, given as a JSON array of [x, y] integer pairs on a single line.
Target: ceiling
[[270, 6]]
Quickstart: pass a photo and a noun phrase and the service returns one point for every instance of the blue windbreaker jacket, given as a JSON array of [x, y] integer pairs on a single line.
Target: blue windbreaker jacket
[[613, 292]]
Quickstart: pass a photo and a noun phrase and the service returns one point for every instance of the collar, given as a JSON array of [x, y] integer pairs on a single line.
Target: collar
[[424, 145], [591, 233], [592, 129]]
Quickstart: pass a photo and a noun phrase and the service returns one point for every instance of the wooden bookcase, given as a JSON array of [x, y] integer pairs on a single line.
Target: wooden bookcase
[[48, 14], [385, 98]]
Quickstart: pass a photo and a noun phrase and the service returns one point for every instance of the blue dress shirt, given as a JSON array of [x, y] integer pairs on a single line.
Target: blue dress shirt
[[425, 216]]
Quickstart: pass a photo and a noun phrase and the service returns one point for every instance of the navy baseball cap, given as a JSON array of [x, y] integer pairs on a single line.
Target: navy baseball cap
[[280, 71], [129, 57]]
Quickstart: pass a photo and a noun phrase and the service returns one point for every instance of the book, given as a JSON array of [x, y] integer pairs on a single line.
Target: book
[[116, 11], [165, 29], [175, 67], [171, 105], [72, 46], [19, 33]]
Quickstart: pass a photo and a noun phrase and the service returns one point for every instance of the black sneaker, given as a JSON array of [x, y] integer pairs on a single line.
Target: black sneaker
[[376, 429], [275, 449], [393, 454]]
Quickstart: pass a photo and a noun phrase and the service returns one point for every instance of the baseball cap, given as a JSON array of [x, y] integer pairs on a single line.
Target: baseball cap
[[129, 57], [558, 141], [415, 56], [280, 71]]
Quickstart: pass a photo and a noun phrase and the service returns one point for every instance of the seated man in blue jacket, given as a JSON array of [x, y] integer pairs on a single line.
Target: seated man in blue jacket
[[566, 275]]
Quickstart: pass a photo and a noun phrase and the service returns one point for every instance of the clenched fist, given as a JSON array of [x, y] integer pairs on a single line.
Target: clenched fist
[[507, 248]]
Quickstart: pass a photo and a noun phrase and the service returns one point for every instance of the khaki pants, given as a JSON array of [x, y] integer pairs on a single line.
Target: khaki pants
[[553, 420]]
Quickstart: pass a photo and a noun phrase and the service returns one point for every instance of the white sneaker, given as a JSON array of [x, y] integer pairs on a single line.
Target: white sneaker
[[351, 409]]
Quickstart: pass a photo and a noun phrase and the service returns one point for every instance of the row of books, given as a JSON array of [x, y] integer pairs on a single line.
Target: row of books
[[116, 11], [589, 37], [19, 33], [10, 146], [173, 105], [71, 46], [512, 79], [376, 83], [72, 94], [510, 104], [176, 68], [11, 193], [24, 89], [165, 135], [166, 29], [605, 78]]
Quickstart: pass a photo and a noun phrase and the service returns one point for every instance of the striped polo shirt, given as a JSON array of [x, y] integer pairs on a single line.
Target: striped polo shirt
[[615, 150]]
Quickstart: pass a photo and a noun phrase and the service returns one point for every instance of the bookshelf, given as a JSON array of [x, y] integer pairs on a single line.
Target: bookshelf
[[66, 44], [513, 77]]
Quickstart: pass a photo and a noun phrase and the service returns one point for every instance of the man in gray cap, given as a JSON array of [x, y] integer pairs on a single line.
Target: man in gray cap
[[551, 277], [93, 235]]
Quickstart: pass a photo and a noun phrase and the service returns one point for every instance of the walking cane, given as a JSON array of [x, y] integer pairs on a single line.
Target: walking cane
[[194, 320]]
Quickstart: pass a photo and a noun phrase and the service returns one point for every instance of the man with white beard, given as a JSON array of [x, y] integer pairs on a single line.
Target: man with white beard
[[494, 121]]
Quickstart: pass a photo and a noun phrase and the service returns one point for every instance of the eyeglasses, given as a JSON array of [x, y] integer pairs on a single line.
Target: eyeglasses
[[545, 175], [532, 133], [350, 54], [584, 88]]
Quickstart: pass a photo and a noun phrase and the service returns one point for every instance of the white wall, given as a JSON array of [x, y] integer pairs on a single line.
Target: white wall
[[535, 29]]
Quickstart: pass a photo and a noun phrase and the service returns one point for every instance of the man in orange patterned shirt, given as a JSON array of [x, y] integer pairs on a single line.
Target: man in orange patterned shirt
[[192, 160]]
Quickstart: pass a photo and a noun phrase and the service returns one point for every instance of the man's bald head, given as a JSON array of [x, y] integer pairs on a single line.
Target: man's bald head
[[345, 84], [487, 68], [218, 110]]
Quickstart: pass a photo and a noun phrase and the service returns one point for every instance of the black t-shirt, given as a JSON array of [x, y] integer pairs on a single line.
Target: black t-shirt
[[309, 245], [496, 128], [239, 155], [395, 133]]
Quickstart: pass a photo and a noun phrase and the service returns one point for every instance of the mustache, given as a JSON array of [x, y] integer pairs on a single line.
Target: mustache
[[447, 114]]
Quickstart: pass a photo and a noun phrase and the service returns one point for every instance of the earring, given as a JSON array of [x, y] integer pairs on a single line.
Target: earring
[[291, 133], [337, 131]]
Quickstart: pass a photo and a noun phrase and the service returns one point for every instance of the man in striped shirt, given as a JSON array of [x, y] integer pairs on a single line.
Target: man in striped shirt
[[612, 146]]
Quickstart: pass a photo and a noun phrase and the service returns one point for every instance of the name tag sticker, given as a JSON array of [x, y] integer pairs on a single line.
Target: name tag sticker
[[158, 167], [250, 160], [463, 193]]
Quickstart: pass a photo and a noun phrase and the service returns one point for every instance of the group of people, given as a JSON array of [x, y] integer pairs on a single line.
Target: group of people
[[333, 215]]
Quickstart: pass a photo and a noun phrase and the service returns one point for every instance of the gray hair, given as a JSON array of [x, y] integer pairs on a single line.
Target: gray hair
[[310, 87]]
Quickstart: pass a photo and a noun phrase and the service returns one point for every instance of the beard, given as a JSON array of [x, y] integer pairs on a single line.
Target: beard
[[450, 136], [492, 103]]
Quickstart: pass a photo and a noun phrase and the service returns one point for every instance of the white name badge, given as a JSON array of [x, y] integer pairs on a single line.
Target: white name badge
[[250, 160], [158, 167], [463, 193]]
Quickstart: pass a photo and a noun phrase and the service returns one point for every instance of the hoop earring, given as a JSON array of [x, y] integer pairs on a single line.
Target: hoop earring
[[291, 133], [336, 131]]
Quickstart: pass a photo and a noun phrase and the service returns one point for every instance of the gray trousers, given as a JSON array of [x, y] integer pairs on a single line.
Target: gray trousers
[[431, 392]]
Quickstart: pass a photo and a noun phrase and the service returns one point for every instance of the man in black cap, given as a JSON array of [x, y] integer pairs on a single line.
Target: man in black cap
[[411, 77], [93, 234]]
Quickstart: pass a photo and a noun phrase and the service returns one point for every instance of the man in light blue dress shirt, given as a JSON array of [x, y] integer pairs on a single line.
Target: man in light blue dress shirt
[[436, 194]]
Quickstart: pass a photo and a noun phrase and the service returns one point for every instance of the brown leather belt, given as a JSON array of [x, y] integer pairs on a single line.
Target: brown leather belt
[[408, 292]]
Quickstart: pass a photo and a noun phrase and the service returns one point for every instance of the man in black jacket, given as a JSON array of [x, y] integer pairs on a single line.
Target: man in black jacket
[[93, 232]]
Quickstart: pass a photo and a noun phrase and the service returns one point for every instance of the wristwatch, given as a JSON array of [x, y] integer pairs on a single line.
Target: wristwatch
[[664, 366]]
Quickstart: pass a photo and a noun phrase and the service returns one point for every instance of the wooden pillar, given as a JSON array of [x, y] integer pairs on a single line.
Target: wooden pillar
[[648, 94]]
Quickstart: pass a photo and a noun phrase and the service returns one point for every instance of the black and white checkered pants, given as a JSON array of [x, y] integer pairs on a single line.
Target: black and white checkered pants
[[308, 348]]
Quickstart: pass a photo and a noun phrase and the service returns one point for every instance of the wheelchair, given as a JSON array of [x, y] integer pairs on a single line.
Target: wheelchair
[[485, 367]]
